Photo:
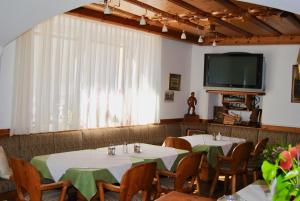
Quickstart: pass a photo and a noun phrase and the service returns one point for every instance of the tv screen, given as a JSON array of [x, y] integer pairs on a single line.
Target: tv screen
[[234, 70]]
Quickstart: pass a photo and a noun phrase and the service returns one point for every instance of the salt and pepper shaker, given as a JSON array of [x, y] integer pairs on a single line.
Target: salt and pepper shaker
[[125, 148], [219, 136], [137, 148], [111, 150]]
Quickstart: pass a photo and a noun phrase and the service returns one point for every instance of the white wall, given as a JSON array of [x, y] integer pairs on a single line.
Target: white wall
[[176, 59], [276, 104], [6, 84]]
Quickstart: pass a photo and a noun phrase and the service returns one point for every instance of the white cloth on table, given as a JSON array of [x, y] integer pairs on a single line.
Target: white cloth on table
[[255, 191], [168, 155], [225, 143], [59, 163]]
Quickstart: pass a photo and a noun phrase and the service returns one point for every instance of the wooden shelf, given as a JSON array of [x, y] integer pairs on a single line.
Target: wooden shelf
[[236, 92]]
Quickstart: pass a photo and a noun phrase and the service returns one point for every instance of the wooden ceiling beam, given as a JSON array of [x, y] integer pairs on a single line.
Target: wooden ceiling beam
[[164, 14], [131, 23], [200, 12], [169, 15], [291, 18], [256, 40], [232, 7]]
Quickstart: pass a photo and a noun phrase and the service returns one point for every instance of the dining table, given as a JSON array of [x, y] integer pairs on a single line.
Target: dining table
[[84, 167], [257, 191], [213, 148]]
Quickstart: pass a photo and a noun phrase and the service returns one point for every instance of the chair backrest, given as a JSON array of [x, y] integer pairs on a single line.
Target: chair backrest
[[178, 143], [138, 178], [27, 179], [192, 131], [188, 167], [241, 155], [259, 147]]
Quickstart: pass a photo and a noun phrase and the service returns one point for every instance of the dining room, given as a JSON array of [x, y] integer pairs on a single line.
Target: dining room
[[149, 100]]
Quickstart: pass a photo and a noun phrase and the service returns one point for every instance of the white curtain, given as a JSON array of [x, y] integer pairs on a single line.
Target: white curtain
[[75, 73]]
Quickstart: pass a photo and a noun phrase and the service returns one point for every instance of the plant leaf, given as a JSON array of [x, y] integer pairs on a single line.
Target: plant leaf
[[291, 174], [269, 171]]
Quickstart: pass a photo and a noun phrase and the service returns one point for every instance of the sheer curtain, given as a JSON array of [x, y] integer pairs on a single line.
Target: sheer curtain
[[75, 73]]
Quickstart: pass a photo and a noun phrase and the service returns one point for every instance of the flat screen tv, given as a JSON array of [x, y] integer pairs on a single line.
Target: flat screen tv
[[234, 71]]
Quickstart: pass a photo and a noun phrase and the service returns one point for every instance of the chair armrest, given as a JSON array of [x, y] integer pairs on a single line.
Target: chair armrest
[[55, 185], [108, 186], [166, 173]]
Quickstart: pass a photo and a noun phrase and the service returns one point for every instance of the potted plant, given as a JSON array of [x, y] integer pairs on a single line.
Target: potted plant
[[282, 165]]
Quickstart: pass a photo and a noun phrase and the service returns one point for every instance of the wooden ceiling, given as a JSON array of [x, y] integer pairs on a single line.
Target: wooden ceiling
[[228, 22]]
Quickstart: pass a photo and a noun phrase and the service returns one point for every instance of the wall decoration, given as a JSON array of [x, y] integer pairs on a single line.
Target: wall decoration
[[296, 84], [169, 96], [174, 82]]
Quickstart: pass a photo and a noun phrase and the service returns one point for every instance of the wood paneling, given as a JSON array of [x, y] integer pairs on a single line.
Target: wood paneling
[[4, 132]]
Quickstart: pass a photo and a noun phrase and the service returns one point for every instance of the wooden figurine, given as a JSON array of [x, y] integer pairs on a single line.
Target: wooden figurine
[[191, 101]]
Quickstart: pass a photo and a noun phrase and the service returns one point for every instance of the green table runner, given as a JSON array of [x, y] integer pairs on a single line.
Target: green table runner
[[212, 152], [84, 178]]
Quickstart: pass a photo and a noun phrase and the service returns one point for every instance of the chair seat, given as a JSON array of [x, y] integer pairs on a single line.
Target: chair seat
[[7, 185], [113, 196], [51, 195]]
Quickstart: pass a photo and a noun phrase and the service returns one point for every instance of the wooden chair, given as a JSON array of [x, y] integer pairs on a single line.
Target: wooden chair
[[28, 183], [138, 178], [192, 131], [232, 166], [178, 143], [254, 165], [183, 179]]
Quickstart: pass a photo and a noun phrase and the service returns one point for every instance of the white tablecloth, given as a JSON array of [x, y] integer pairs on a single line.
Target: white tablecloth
[[168, 155], [225, 143], [257, 191], [59, 163], [118, 164]]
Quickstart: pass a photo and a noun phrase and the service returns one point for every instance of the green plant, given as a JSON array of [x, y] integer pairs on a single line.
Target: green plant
[[285, 167]]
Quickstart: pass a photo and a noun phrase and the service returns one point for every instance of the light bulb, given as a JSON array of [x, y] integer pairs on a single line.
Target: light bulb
[[107, 10], [164, 28], [200, 40], [214, 44], [183, 36], [143, 21]]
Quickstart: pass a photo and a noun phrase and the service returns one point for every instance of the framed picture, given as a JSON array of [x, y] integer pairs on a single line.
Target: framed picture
[[174, 82], [296, 84], [169, 96]]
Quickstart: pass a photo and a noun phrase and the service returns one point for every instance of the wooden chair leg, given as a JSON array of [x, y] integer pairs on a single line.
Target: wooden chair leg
[[213, 186], [245, 179], [254, 176], [226, 184], [233, 184], [198, 182]]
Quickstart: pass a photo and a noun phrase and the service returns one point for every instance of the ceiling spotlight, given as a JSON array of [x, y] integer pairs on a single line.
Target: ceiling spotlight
[[164, 28], [214, 44], [107, 10], [200, 40], [183, 36], [143, 21]]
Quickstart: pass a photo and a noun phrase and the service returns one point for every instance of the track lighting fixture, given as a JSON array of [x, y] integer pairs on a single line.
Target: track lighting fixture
[[107, 10], [142, 21], [183, 36], [214, 44], [164, 28], [200, 40]]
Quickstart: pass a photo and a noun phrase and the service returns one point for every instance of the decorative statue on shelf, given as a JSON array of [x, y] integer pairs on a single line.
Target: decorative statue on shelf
[[191, 101]]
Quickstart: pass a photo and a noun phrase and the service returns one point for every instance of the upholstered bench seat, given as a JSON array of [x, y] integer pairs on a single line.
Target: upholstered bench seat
[[7, 185]]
